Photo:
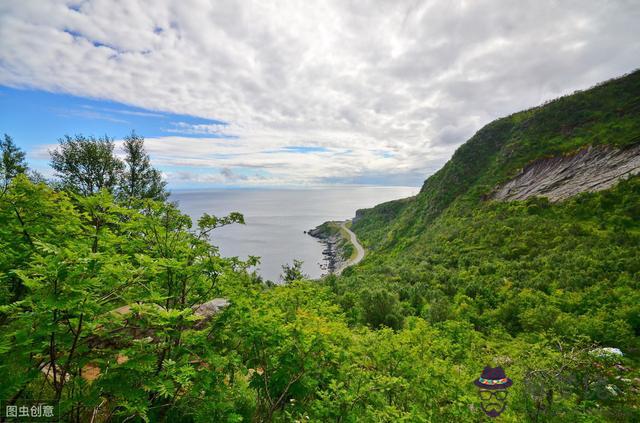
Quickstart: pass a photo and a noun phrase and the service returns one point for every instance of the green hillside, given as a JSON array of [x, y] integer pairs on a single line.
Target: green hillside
[[527, 270], [429, 245], [608, 114]]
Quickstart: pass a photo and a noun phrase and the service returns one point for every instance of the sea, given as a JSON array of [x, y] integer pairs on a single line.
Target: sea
[[276, 219]]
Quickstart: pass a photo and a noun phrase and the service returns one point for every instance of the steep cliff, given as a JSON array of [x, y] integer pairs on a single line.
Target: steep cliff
[[558, 178]]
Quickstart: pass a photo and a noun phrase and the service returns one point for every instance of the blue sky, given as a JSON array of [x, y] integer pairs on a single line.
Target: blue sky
[[36, 119], [297, 93]]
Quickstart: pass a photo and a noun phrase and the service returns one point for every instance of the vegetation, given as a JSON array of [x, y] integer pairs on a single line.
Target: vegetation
[[13, 160], [99, 295], [529, 269], [605, 115], [293, 272], [87, 165], [139, 179]]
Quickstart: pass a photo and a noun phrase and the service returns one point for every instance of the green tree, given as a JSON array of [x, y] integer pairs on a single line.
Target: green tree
[[13, 160], [293, 272], [86, 164], [293, 342], [107, 305], [381, 308], [140, 179]]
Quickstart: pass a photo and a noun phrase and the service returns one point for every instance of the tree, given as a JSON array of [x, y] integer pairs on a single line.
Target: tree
[[98, 282], [13, 162], [381, 308], [293, 272], [140, 179], [87, 164]]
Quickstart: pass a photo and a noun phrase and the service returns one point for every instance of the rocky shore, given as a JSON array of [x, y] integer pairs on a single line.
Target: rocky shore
[[333, 242]]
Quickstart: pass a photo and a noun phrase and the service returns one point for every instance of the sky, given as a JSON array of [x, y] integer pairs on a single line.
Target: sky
[[296, 93]]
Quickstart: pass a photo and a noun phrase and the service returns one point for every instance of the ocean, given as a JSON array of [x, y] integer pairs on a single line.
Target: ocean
[[277, 218]]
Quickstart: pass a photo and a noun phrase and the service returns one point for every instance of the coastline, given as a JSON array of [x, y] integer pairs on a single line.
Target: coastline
[[342, 248], [332, 254]]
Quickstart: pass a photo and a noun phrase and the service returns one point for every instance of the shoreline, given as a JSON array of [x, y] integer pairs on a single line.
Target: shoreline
[[332, 259], [340, 242]]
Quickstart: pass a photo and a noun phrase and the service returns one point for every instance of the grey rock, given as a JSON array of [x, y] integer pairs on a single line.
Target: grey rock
[[211, 307], [208, 310], [316, 233], [332, 257], [558, 178]]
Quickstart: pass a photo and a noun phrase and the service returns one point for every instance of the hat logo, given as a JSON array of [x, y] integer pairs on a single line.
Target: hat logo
[[493, 384]]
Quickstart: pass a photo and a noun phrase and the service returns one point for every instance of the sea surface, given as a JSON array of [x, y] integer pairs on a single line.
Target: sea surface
[[277, 218]]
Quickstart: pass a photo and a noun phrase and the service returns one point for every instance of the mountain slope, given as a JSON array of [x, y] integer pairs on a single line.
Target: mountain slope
[[534, 279], [608, 115]]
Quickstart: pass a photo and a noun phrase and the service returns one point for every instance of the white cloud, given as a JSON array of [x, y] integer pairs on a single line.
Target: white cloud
[[413, 79], [197, 129]]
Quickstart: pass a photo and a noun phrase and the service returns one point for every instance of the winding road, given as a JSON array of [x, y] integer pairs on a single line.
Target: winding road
[[359, 249]]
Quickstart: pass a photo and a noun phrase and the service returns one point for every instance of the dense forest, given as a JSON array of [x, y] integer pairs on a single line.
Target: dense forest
[[104, 285]]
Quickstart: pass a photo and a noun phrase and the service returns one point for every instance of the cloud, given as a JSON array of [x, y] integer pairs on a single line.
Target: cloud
[[199, 129], [230, 175], [410, 79], [304, 150], [88, 114], [126, 112]]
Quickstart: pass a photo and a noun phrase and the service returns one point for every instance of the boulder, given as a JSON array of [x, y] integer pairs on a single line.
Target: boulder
[[209, 309]]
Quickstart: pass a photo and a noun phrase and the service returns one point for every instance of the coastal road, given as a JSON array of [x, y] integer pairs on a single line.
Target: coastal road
[[359, 249]]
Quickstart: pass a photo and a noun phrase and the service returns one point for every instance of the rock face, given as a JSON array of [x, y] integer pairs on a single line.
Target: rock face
[[558, 178]]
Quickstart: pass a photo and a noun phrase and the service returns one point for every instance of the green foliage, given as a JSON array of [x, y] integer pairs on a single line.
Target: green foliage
[[328, 229], [86, 164], [70, 262], [347, 249], [139, 178], [381, 308], [560, 278], [293, 272], [296, 352], [13, 160], [373, 223]]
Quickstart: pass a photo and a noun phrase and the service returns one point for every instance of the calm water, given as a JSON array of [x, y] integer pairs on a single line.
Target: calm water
[[276, 218]]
